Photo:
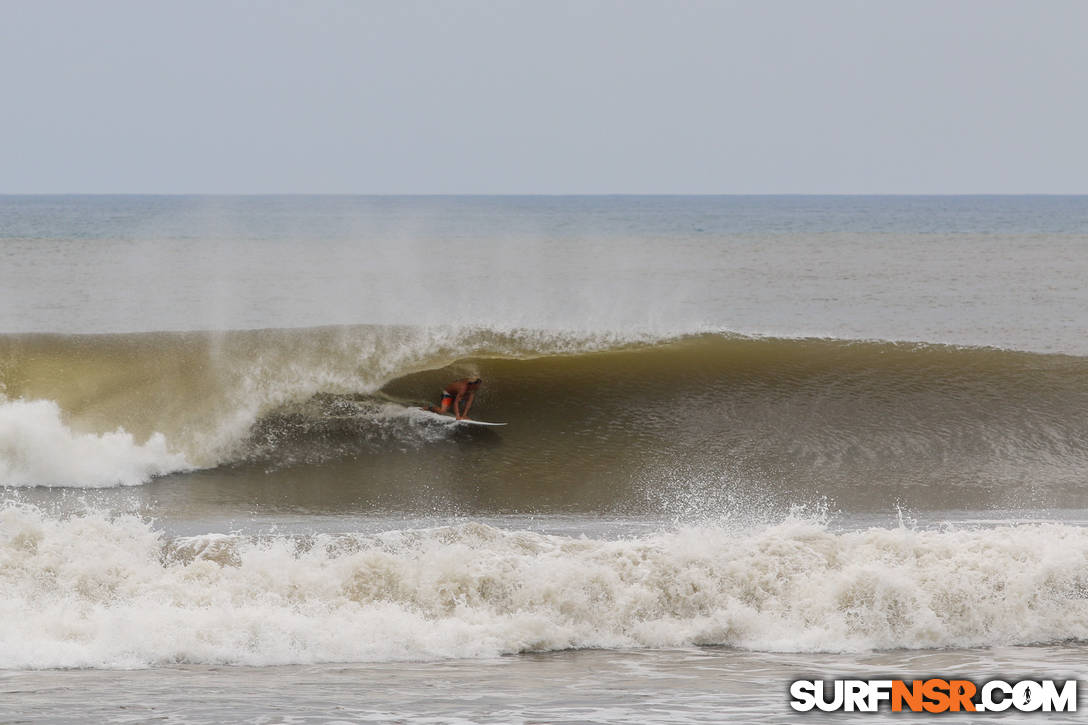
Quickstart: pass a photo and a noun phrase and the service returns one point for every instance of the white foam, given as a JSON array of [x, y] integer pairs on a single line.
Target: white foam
[[96, 591], [37, 448]]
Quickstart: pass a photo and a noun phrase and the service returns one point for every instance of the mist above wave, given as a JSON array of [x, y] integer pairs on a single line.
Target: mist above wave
[[1002, 271]]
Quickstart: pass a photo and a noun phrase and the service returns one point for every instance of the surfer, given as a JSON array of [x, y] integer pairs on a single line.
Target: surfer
[[464, 389]]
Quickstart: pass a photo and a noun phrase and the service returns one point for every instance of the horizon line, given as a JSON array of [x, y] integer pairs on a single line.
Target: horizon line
[[537, 194]]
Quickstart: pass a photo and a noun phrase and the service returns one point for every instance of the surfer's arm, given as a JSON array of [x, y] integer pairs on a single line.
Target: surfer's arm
[[468, 404]]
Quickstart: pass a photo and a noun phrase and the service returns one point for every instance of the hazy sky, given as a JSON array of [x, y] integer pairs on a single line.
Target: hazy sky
[[543, 97]]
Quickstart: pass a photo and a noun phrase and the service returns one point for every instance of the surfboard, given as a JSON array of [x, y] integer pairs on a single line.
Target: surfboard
[[450, 420]]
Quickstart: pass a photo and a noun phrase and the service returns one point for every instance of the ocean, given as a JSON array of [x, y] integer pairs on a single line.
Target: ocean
[[749, 440]]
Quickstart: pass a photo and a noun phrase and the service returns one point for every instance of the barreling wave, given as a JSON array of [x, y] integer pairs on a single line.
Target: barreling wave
[[595, 421], [161, 402], [138, 598]]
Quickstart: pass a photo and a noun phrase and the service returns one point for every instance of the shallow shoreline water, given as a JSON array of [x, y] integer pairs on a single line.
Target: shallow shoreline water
[[702, 685]]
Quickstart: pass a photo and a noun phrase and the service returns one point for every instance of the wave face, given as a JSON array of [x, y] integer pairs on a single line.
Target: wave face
[[595, 423], [137, 598]]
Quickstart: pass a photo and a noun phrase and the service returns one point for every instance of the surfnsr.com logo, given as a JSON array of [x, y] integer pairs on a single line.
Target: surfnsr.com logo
[[934, 695]]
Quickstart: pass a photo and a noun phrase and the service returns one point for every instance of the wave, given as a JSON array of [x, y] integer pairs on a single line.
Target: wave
[[191, 399], [137, 598], [594, 420]]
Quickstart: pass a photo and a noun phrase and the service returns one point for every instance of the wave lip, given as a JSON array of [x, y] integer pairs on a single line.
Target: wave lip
[[135, 598], [38, 449]]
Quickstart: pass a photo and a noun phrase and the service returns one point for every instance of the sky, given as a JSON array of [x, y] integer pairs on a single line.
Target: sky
[[548, 97]]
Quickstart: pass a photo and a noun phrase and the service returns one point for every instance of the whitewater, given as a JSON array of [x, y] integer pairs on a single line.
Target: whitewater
[[138, 598]]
